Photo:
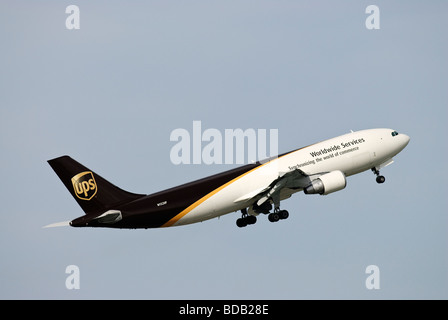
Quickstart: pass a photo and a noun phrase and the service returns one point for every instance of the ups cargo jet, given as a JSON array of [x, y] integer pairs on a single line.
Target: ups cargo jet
[[255, 188]]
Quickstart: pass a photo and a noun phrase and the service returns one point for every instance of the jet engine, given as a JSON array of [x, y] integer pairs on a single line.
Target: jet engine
[[327, 183]]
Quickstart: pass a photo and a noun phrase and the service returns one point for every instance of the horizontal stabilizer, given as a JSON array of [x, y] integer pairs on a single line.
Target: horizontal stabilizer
[[58, 224], [110, 216]]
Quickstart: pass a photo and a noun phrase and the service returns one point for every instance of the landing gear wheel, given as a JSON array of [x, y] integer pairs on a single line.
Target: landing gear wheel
[[241, 222], [273, 217], [245, 219], [251, 219], [283, 214], [380, 179]]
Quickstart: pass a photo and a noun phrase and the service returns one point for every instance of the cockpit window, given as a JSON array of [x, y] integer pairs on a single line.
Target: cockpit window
[[394, 133]]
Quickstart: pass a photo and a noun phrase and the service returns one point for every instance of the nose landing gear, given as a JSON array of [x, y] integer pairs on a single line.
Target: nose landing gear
[[379, 178]]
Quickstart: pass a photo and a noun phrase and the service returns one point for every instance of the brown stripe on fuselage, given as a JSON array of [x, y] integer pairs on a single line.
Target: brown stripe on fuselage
[[180, 200], [198, 202], [201, 200], [175, 202]]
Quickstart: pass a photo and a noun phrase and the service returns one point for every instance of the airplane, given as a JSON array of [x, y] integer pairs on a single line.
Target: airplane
[[256, 188]]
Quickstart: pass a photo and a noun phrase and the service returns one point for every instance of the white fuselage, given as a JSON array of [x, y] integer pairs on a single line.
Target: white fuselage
[[351, 153]]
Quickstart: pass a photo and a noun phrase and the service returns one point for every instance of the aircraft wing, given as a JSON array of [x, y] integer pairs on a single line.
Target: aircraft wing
[[295, 179]]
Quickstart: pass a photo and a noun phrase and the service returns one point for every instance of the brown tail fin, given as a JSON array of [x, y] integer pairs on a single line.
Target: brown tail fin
[[92, 192]]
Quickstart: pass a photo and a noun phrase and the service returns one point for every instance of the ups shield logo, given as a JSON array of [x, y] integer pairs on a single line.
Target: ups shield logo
[[84, 185]]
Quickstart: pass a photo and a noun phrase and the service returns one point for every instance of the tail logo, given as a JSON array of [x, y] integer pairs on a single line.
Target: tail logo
[[84, 185]]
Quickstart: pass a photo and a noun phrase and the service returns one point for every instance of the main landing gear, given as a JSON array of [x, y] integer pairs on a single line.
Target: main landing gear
[[278, 215], [247, 219], [379, 178]]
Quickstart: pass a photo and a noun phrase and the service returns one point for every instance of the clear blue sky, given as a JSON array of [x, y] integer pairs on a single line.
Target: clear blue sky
[[110, 94]]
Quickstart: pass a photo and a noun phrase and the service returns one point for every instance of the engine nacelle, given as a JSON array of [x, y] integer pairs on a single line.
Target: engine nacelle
[[327, 183]]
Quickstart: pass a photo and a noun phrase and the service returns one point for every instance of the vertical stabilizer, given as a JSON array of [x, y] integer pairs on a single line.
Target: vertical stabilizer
[[92, 192]]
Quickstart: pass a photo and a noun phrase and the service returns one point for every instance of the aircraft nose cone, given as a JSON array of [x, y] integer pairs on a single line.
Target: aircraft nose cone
[[406, 140], [403, 141]]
